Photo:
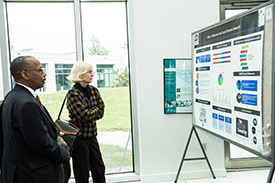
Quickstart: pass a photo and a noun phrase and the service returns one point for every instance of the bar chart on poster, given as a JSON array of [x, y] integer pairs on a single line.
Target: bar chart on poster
[[232, 79]]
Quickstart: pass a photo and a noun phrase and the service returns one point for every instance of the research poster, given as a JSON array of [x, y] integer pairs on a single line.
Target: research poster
[[227, 79], [177, 86]]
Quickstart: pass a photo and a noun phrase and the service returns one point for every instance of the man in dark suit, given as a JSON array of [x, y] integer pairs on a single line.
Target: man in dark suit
[[31, 153]]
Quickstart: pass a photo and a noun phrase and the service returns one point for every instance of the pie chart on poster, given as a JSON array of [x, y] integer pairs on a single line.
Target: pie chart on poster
[[220, 79]]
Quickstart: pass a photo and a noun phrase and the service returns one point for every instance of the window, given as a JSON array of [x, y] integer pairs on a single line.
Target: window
[[230, 13], [44, 37], [104, 24], [1, 80], [105, 76], [62, 71], [45, 33], [51, 38], [105, 45]]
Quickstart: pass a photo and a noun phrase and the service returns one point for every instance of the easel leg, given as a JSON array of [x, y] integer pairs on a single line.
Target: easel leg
[[213, 175], [184, 154], [125, 150], [271, 172]]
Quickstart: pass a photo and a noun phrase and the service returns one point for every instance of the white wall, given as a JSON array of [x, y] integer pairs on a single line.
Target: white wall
[[162, 29]]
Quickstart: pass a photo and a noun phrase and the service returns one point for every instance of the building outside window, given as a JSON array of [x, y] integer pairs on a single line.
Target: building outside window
[[62, 71], [105, 76], [45, 85]]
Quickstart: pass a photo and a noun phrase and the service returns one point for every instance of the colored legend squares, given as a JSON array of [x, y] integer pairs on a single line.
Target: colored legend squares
[[243, 58]]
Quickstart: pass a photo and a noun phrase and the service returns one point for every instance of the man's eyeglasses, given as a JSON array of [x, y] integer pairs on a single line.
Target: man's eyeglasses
[[39, 70]]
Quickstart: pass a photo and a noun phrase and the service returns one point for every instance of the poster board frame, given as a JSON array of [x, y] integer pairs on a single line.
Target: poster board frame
[[269, 157]]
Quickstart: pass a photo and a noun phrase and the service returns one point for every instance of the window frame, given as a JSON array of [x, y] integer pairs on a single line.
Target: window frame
[[5, 52], [7, 85], [237, 4]]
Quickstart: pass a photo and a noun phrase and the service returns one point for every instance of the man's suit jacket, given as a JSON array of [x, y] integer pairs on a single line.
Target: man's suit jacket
[[31, 153]]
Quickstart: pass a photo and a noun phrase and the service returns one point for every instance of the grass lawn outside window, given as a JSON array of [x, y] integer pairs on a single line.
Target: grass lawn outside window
[[116, 118]]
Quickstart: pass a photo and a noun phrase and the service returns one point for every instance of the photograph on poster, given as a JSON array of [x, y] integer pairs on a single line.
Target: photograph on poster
[[227, 79], [177, 86]]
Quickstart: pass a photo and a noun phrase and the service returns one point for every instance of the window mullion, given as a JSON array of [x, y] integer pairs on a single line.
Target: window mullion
[[5, 56], [78, 31]]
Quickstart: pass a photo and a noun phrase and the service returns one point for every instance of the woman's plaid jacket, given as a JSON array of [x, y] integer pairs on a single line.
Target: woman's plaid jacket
[[80, 109]]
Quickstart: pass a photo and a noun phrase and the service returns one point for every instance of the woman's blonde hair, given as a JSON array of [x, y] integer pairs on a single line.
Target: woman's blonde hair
[[78, 69]]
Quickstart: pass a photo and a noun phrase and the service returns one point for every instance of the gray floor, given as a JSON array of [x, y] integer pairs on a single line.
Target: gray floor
[[252, 176], [245, 176]]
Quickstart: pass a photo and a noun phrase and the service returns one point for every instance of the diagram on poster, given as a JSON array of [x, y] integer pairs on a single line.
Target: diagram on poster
[[227, 79]]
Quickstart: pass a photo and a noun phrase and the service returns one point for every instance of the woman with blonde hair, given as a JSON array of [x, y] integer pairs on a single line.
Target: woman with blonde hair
[[85, 104]]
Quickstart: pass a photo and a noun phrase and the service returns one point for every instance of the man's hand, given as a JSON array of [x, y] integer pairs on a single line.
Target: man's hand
[[61, 142]]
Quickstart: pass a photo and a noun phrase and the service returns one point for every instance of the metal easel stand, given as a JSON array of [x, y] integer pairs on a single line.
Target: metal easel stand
[[125, 151], [271, 172], [272, 168], [190, 159]]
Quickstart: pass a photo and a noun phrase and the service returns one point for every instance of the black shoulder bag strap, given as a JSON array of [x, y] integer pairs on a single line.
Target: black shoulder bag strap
[[61, 109]]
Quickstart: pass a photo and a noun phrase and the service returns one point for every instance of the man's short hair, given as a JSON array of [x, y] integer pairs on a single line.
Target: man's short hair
[[78, 69], [18, 65]]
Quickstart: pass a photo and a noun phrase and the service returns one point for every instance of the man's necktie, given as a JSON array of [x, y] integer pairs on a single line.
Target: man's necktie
[[39, 101]]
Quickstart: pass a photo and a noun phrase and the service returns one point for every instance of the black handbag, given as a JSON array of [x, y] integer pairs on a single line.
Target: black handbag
[[66, 129]]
